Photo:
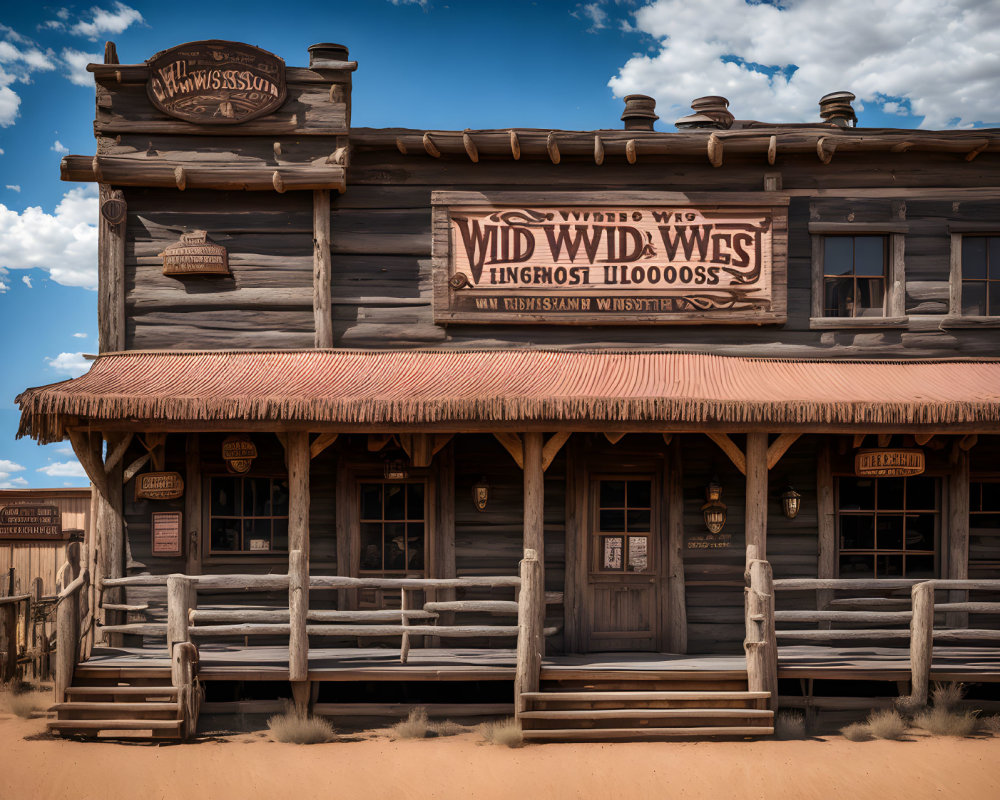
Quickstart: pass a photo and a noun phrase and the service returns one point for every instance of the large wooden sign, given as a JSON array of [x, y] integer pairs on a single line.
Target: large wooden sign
[[195, 254], [30, 523], [610, 258], [888, 463], [159, 486], [216, 82], [167, 531]]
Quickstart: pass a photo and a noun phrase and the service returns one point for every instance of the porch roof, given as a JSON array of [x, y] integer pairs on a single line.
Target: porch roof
[[500, 387]]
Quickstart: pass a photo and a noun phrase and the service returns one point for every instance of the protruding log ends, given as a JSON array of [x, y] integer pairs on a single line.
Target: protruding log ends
[[401, 145], [639, 113], [598, 150], [553, 148], [515, 146], [180, 178], [709, 112], [470, 147], [429, 147], [825, 149], [715, 150], [278, 182], [772, 150], [975, 152], [110, 53], [836, 108], [630, 151]]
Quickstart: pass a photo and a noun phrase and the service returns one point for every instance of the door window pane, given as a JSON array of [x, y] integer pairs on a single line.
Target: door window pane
[[392, 526], [623, 506]]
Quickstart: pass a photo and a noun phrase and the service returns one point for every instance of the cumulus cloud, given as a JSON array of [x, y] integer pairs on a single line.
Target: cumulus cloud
[[59, 147], [76, 62], [14, 187], [7, 470], [421, 3], [19, 58], [4, 286], [79, 336], [937, 59], [593, 13], [72, 364], [26, 280], [63, 469], [64, 244], [106, 21]]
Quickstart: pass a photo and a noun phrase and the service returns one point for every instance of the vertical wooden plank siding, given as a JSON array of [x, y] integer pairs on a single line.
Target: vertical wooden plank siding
[[534, 518], [756, 496], [111, 276], [192, 503], [958, 535], [322, 308], [676, 601], [826, 521]]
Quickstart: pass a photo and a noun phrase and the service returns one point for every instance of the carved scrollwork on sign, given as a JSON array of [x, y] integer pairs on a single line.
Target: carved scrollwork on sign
[[195, 254], [114, 209]]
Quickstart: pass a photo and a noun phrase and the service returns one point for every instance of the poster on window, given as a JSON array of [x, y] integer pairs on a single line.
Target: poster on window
[[612, 552], [638, 558]]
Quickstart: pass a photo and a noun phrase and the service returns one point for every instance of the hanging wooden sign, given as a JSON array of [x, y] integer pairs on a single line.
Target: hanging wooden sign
[[216, 82], [159, 486], [634, 258], [24, 522], [239, 451], [888, 463], [195, 254], [167, 528]]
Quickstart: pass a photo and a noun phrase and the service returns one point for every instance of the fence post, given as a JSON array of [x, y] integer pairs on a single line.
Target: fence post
[[921, 640], [529, 630], [761, 644], [404, 644], [179, 591], [67, 626], [298, 607]]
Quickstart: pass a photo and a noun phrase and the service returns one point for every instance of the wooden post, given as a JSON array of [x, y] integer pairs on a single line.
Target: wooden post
[[183, 663], [756, 493], [179, 590], [8, 641], [529, 631], [298, 609], [404, 645], [534, 520], [322, 305], [67, 635], [297, 456], [826, 566], [111, 272], [676, 596], [761, 645], [192, 503], [958, 535], [921, 640]]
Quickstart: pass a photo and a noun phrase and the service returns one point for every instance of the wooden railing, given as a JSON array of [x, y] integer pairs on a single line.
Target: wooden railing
[[69, 630]]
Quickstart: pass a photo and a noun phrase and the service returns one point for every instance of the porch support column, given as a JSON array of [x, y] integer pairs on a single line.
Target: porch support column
[[756, 494], [297, 457], [534, 517], [958, 535], [531, 600]]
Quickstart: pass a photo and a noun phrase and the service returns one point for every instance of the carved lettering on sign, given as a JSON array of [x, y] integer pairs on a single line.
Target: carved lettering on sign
[[888, 463], [239, 451], [610, 264], [30, 522], [216, 82], [195, 254], [159, 486], [167, 528]]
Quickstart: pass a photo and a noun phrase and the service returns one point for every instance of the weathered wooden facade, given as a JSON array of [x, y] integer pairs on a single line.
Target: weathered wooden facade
[[643, 422]]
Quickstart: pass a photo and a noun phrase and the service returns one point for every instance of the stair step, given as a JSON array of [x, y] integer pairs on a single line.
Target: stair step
[[597, 734], [115, 724], [643, 695], [148, 691], [649, 713], [113, 706]]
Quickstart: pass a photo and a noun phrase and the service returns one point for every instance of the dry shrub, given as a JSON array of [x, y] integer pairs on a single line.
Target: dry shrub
[[790, 725], [21, 700], [296, 728], [505, 732], [447, 728], [886, 724], [947, 696], [990, 724], [942, 722], [856, 732], [908, 706], [415, 726]]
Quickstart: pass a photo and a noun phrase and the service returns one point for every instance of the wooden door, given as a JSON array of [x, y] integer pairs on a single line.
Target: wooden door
[[623, 550]]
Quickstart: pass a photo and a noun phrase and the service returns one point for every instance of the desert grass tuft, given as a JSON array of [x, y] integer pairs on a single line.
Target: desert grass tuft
[[886, 724], [505, 732], [415, 726], [942, 722], [21, 700], [790, 725], [856, 732], [908, 706], [990, 724], [295, 728], [947, 696], [447, 728]]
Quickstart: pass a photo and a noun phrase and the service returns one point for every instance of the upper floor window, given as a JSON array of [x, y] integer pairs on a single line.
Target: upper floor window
[[855, 274], [248, 515], [980, 276]]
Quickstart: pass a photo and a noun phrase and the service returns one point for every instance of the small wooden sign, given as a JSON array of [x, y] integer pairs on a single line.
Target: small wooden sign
[[195, 254], [216, 82], [239, 451], [159, 486], [168, 530], [888, 463], [709, 541], [24, 522]]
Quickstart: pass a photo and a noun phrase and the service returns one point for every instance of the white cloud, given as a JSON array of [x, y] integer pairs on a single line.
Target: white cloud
[[26, 279], [73, 364], [421, 3], [76, 61], [19, 58], [63, 469], [64, 244], [59, 147], [105, 21], [79, 336], [7, 469], [593, 12], [14, 187], [4, 286], [65, 450], [942, 57], [1, 151]]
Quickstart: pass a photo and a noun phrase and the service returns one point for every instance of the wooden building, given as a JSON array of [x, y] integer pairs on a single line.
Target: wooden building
[[626, 432]]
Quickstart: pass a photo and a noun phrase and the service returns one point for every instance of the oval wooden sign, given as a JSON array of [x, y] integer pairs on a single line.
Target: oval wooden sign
[[216, 82], [159, 486], [195, 254], [888, 463], [239, 451]]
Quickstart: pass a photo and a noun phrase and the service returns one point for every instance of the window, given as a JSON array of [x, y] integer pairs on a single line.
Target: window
[[854, 276], [248, 515], [393, 517], [984, 528], [980, 277], [888, 527], [624, 523]]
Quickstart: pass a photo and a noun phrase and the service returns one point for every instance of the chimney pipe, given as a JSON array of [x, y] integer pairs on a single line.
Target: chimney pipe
[[709, 112], [638, 115], [327, 54], [836, 108]]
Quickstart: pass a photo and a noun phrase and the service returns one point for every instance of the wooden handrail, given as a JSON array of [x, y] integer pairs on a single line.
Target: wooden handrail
[[276, 581], [74, 586]]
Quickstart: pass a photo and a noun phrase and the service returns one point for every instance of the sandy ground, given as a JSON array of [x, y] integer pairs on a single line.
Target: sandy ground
[[245, 766]]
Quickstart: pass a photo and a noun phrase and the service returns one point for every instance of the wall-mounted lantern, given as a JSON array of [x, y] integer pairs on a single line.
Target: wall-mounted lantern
[[481, 494], [791, 502], [714, 509]]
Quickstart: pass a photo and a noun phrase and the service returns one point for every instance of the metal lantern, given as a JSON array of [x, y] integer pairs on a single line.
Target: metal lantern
[[481, 494], [791, 502], [714, 509]]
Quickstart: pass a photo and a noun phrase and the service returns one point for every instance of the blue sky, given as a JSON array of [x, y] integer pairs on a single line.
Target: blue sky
[[460, 64]]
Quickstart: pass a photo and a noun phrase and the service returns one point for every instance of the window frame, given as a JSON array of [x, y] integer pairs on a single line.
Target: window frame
[[359, 521], [955, 317], [236, 556], [595, 535], [895, 279]]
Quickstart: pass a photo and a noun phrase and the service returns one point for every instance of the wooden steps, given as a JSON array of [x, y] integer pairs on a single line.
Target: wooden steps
[[604, 734]]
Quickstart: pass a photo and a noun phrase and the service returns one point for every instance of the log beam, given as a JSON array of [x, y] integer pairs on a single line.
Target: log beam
[[731, 449], [552, 448], [512, 444], [322, 270], [756, 493], [779, 447], [320, 443]]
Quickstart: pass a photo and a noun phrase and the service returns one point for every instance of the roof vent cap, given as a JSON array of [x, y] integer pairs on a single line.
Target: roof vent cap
[[638, 115], [836, 108], [709, 112], [326, 52]]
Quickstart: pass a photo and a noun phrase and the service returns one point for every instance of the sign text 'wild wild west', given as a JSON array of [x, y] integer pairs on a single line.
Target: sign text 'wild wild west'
[[631, 263]]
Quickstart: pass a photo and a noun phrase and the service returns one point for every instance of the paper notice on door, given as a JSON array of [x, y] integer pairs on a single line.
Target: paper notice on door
[[638, 560], [612, 552]]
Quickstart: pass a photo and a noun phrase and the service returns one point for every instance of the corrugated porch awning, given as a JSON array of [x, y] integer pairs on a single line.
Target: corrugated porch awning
[[452, 387]]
